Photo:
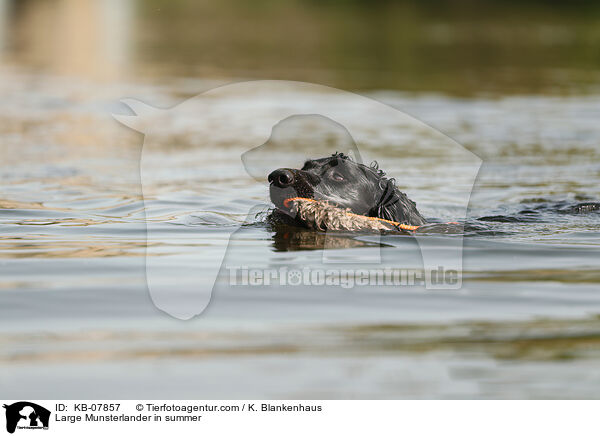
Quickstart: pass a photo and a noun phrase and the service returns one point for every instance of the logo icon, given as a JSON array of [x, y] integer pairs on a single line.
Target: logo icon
[[26, 415]]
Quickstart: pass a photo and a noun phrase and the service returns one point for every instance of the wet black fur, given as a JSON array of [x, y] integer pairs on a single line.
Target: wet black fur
[[341, 181]]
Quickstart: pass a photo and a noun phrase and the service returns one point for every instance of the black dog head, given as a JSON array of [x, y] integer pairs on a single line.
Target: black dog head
[[347, 184]]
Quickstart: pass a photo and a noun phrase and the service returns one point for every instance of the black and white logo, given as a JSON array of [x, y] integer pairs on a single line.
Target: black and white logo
[[24, 415]]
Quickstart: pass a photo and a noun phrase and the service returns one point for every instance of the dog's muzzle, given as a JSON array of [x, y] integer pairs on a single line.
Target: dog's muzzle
[[287, 183]]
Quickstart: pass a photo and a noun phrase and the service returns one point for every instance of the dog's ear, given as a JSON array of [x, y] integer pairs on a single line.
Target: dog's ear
[[395, 206], [388, 197]]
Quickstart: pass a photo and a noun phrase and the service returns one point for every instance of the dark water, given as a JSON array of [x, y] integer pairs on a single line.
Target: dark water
[[75, 313]]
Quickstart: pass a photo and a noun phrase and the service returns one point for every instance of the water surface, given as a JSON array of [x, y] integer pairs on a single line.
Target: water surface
[[518, 89]]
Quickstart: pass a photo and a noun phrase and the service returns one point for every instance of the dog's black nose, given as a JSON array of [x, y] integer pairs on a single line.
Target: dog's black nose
[[281, 178]]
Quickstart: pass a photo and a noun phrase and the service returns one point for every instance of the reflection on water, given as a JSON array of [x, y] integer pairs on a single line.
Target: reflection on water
[[73, 227], [73, 296], [74, 37], [539, 340], [291, 238], [453, 46]]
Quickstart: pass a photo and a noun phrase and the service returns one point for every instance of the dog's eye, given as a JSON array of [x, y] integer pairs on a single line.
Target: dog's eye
[[337, 177]]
